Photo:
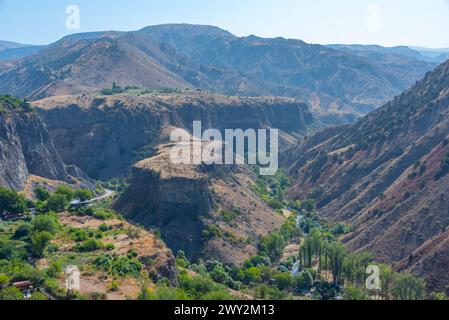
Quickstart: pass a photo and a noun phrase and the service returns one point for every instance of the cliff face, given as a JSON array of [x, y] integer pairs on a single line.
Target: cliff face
[[105, 136], [386, 176], [186, 202], [26, 148]]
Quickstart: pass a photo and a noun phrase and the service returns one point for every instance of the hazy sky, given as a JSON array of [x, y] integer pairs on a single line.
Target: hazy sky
[[385, 22]]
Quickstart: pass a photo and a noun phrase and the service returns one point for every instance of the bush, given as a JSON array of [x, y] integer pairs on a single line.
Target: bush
[[229, 216], [354, 293], [46, 222], [251, 275], [55, 270], [103, 214], [89, 245], [79, 235]]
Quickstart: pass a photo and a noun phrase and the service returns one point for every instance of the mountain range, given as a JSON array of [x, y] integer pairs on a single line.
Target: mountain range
[[330, 81], [364, 134]]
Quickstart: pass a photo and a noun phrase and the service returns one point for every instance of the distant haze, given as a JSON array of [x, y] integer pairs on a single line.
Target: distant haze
[[384, 22]]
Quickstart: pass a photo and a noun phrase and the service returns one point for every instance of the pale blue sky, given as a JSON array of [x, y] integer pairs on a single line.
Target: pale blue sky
[[385, 22]]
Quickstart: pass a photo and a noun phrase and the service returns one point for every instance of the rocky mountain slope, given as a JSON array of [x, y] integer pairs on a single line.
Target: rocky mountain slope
[[206, 211], [106, 135], [26, 147], [386, 176], [322, 77], [188, 56]]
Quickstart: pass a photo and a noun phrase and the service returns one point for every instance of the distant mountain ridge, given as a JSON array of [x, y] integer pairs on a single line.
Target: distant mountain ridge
[[208, 58], [422, 54]]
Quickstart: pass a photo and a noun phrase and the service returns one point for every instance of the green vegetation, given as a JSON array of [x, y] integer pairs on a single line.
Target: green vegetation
[[119, 266], [16, 103], [23, 243], [12, 202], [117, 185], [117, 89], [322, 268]]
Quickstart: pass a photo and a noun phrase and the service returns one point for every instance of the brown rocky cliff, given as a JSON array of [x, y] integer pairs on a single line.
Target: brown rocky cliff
[[105, 136], [186, 203], [26, 148]]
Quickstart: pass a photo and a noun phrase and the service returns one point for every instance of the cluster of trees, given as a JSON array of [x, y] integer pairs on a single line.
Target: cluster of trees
[[329, 257], [119, 266], [60, 199], [12, 202], [30, 239]]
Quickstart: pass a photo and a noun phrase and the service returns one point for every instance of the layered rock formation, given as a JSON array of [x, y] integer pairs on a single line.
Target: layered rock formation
[[187, 203], [26, 148], [105, 135]]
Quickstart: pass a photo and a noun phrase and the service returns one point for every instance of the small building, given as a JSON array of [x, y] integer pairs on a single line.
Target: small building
[[9, 216], [26, 287]]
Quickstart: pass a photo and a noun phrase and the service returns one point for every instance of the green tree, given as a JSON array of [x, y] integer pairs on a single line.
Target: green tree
[[39, 242], [41, 193], [46, 222], [66, 191], [55, 269], [354, 293], [57, 202], [252, 275], [409, 287], [303, 282], [83, 194], [12, 202], [283, 280], [272, 246], [387, 278]]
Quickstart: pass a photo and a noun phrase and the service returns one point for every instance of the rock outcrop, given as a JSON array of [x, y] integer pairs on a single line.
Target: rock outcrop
[[26, 148], [187, 202], [106, 135]]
